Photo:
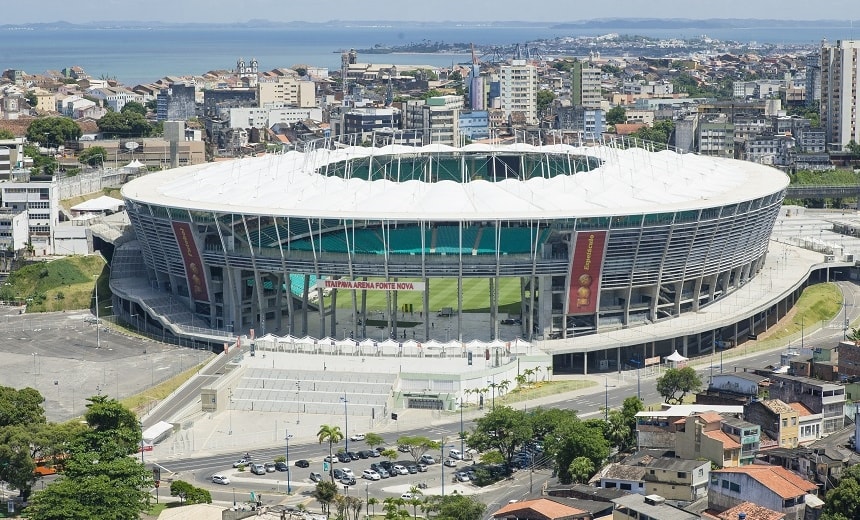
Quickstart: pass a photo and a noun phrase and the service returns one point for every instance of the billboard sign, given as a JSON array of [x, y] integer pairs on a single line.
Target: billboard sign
[[193, 264], [355, 285], [584, 287]]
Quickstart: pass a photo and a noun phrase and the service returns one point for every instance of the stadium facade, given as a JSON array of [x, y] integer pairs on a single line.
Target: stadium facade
[[597, 238]]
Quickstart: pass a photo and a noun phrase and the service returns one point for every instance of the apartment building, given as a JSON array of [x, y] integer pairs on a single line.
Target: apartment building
[[777, 420], [177, 102], [585, 88], [115, 97], [288, 90], [821, 397], [840, 76], [441, 120], [518, 86]]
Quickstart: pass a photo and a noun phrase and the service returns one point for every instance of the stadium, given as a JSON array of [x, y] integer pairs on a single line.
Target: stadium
[[477, 243]]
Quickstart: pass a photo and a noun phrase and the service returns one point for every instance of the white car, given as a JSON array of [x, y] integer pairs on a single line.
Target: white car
[[407, 496], [451, 463], [357, 437], [220, 479], [369, 474], [400, 469], [347, 472]]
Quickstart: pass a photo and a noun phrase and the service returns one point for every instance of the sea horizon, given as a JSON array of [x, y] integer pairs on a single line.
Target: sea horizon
[[145, 54]]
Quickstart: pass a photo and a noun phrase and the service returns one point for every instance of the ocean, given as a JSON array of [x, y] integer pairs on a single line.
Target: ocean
[[136, 56]]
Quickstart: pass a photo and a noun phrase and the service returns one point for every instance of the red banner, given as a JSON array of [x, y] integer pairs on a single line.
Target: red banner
[[585, 269], [193, 264]]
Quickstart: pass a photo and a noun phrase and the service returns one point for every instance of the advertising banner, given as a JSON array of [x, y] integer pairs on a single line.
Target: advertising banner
[[353, 285], [585, 269], [193, 263]]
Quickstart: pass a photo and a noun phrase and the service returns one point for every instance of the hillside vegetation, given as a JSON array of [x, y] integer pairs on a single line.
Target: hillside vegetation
[[57, 285]]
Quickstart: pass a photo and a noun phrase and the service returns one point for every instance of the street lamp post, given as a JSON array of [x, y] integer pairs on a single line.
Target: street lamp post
[[367, 499], [287, 438], [606, 387], [141, 442], [462, 440], [230, 414], [345, 423], [298, 403]]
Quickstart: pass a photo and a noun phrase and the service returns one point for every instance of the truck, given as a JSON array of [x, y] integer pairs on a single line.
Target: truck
[[445, 312]]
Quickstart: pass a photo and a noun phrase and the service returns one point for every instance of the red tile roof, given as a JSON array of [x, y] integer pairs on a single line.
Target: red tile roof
[[800, 409], [721, 436], [543, 508], [753, 512], [779, 480]]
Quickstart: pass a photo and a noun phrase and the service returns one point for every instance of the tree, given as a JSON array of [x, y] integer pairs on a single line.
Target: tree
[[581, 469], [373, 440], [124, 124], [6, 134], [844, 499], [325, 493], [543, 99], [100, 480], [418, 445], [853, 148], [189, 494], [503, 429], [576, 438], [333, 435], [93, 156], [51, 132], [16, 463], [46, 164], [20, 407], [676, 383], [134, 106], [372, 501], [659, 133], [454, 507], [389, 454], [616, 115]]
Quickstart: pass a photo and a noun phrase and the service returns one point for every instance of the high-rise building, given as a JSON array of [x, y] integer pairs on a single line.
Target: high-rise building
[[840, 78], [176, 103], [813, 78], [585, 85], [518, 84]]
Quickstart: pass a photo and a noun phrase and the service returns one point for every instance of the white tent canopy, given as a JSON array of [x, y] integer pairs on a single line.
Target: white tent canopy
[[99, 204], [676, 357]]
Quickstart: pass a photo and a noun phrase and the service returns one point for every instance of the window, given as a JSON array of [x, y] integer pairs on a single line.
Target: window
[[735, 487], [626, 487], [682, 474], [724, 484]]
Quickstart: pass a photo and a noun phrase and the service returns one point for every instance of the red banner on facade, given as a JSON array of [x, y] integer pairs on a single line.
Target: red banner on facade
[[585, 270], [193, 264]]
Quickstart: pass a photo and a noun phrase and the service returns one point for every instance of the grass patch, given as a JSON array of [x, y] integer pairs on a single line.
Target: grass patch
[[140, 403], [58, 285], [817, 304], [443, 293], [540, 389]]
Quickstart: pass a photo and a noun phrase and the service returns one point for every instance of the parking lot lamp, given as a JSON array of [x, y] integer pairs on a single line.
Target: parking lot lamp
[[287, 456]]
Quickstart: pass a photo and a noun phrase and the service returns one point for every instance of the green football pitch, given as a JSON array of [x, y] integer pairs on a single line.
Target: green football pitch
[[443, 293]]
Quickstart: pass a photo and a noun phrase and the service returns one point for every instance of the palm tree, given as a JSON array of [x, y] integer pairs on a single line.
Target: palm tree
[[504, 385], [520, 379], [415, 502], [549, 372], [355, 504], [332, 434], [372, 501], [467, 392], [529, 372], [537, 372]]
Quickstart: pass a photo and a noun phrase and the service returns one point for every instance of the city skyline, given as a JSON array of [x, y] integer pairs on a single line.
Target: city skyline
[[550, 11]]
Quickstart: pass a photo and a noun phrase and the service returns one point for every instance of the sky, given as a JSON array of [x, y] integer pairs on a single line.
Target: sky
[[215, 11]]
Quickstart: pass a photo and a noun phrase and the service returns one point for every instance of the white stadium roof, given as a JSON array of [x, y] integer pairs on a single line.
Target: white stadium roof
[[629, 181]]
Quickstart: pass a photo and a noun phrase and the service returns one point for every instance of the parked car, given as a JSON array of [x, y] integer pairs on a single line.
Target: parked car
[[353, 455], [403, 448], [369, 474], [387, 464], [270, 467], [427, 459], [462, 476], [330, 459], [357, 437], [338, 473], [241, 462], [220, 479], [412, 468], [407, 496], [455, 454], [281, 466], [451, 463], [348, 481], [400, 469], [383, 473], [343, 457], [421, 467], [258, 469], [347, 472], [364, 454], [316, 477], [302, 463], [375, 453]]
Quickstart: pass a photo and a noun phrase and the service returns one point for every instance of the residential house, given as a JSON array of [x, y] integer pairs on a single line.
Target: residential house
[[654, 472], [541, 509], [642, 507], [725, 441], [777, 420], [115, 98], [733, 388], [821, 397], [745, 511], [773, 487], [656, 429]]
